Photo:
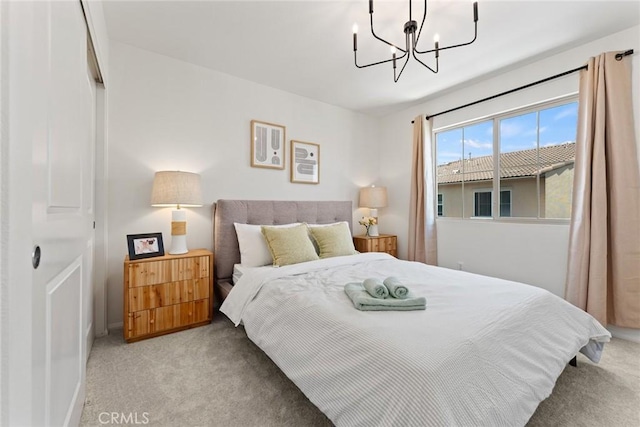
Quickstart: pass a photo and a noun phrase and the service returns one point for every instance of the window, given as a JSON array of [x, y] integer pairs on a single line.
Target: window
[[482, 201], [526, 156], [505, 202]]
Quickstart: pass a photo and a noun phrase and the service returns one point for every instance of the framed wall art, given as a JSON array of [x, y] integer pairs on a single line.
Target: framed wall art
[[305, 162], [145, 245], [267, 145]]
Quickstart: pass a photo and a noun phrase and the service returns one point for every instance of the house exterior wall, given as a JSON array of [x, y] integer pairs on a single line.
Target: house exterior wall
[[558, 192], [523, 197]]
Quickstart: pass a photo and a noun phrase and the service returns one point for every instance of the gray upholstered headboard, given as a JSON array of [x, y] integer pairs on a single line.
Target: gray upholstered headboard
[[226, 212]]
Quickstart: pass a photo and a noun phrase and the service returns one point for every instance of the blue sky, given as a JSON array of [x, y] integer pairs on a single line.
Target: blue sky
[[557, 126]]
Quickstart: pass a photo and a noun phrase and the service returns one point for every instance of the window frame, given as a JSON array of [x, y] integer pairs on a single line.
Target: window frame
[[439, 205], [496, 119]]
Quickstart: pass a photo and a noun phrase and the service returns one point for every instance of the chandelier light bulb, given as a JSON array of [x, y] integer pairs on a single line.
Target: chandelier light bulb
[[436, 38], [393, 49], [355, 28]]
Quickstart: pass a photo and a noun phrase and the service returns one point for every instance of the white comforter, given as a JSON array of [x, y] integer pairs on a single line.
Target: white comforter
[[485, 352]]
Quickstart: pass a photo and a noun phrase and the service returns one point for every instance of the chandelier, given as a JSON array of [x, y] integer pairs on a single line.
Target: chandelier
[[411, 42]]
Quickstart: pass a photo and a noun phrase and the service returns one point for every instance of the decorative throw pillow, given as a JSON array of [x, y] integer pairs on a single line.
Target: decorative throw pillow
[[315, 244], [334, 240], [289, 245], [254, 251]]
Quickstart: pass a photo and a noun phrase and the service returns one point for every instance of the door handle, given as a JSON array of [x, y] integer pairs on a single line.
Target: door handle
[[35, 256]]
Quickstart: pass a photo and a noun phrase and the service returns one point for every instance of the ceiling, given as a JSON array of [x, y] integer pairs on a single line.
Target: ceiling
[[305, 47]]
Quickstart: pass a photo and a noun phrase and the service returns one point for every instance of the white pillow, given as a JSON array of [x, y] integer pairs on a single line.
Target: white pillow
[[328, 225], [254, 251]]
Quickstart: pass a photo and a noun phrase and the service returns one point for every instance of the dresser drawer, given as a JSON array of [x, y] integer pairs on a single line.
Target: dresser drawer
[[154, 272], [145, 297], [384, 243], [149, 273], [174, 316]]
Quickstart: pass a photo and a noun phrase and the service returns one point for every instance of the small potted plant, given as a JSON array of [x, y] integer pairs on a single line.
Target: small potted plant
[[367, 222]]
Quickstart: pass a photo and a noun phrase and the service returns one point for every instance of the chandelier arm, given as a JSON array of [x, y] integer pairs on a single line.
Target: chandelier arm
[[424, 17], [430, 69], [355, 60], [383, 40], [475, 36], [395, 79]]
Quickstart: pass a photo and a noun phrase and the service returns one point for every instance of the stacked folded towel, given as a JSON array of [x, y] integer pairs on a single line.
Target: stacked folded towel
[[396, 288], [371, 295], [376, 288]]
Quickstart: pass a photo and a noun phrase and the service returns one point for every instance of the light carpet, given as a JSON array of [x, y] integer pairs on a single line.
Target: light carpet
[[215, 376]]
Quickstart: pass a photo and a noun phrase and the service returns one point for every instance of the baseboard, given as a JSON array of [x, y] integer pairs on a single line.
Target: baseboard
[[625, 333], [89, 337]]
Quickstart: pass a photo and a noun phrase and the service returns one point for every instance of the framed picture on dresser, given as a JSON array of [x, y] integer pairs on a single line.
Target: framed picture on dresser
[[305, 162], [267, 145], [145, 245]]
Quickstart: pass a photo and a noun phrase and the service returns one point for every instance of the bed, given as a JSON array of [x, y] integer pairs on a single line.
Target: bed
[[485, 351]]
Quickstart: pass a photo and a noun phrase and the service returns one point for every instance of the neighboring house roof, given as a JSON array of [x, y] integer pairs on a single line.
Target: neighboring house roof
[[516, 164]]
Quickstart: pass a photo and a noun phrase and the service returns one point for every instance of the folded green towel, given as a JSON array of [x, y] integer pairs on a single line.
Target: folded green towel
[[375, 288], [365, 302], [396, 288]]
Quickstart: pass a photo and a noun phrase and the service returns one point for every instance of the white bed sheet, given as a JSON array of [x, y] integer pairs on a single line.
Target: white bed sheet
[[239, 270], [485, 351]]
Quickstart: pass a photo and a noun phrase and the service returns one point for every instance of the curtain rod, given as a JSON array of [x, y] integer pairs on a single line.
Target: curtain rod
[[619, 56]]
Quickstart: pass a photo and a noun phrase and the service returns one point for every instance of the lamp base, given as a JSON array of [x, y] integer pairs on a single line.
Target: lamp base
[[373, 229], [178, 232], [178, 245]]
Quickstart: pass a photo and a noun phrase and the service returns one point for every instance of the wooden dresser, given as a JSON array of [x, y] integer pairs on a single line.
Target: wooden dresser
[[383, 243], [167, 294]]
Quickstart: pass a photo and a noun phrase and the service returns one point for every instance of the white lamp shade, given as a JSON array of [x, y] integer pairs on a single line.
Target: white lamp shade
[[175, 188], [373, 197]]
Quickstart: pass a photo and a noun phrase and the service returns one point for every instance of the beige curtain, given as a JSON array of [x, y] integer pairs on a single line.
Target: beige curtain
[[603, 276], [422, 210]]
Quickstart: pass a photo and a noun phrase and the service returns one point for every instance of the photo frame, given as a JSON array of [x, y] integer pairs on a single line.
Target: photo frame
[[145, 245], [267, 145], [305, 162]]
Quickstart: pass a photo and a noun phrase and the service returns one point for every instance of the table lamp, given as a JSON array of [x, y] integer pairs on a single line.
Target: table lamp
[[179, 189], [373, 198]]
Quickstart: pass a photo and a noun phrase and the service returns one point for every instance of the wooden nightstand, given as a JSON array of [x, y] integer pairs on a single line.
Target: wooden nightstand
[[383, 243], [167, 294]]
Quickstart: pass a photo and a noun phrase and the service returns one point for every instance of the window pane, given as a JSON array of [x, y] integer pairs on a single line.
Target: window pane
[[449, 172], [477, 165], [558, 127], [519, 164], [505, 203], [482, 203]]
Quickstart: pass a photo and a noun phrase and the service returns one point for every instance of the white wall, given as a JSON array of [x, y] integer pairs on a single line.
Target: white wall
[[531, 253], [165, 114]]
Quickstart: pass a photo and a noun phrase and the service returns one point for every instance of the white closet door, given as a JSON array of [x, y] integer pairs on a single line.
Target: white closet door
[[51, 115]]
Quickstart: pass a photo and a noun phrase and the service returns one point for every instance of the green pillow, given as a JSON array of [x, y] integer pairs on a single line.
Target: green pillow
[[333, 240], [289, 245]]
